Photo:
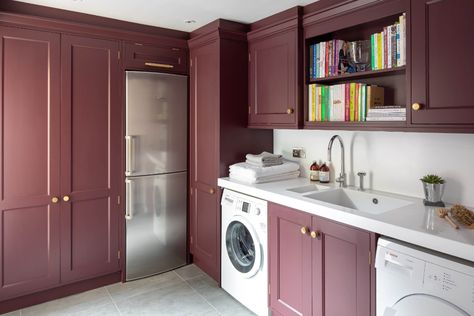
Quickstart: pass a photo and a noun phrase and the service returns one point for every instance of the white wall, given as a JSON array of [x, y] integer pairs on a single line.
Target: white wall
[[394, 162]]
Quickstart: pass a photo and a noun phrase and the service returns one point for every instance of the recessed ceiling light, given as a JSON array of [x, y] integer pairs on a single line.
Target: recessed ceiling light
[[189, 21]]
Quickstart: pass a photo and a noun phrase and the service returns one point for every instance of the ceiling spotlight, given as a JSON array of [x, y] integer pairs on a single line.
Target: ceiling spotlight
[[189, 21]]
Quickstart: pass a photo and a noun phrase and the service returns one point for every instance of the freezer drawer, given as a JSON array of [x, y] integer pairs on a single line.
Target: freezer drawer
[[156, 123], [155, 224]]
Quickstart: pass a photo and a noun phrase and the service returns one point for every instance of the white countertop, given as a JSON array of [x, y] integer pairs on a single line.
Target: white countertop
[[407, 223]]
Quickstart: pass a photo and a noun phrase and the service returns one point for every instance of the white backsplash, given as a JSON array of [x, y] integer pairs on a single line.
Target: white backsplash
[[393, 161]]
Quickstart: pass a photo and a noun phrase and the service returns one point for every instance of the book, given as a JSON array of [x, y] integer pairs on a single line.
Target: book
[[316, 61], [399, 63], [352, 101], [402, 21], [372, 57], [389, 46], [319, 103], [395, 118], [356, 102], [375, 96], [385, 48], [347, 98], [363, 103], [379, 50], [322, 57], [313, 102], [393, 41]]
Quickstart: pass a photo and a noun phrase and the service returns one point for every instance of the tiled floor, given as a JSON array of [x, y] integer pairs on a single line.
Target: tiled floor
[[186, 291]]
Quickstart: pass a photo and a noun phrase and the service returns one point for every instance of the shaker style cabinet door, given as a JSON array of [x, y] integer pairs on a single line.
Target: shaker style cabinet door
[[90, 157], [290, 261], [442, 68], [341, 270], [29, 173], [205, 207], [273, 80]]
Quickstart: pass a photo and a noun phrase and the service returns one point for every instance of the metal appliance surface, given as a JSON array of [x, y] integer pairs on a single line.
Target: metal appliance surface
[[156, 175], [412, 281]]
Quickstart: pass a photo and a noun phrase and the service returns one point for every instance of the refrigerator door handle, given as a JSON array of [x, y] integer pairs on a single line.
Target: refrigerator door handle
[[129, 163], [128, 196]]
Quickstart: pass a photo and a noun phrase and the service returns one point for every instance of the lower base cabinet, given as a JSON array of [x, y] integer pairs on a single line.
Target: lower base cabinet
[[319, 267]]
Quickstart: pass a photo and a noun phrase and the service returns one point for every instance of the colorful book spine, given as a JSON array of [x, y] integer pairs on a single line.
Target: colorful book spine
[[399, 61], [402, 21], [389, 47], [347, 98], [352, 102], [319, 103], [379, 51], [316, 61]]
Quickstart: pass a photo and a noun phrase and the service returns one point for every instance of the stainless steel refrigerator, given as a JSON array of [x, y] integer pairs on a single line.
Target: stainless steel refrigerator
[[156, 175]]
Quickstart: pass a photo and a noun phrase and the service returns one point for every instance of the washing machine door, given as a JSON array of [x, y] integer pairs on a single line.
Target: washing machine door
[[243, 246], [423, 304]]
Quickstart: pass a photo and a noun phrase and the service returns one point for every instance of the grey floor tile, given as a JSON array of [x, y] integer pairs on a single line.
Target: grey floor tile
[[189, 272], [80, 304], [123, 291], [14, 313], [177, 299]]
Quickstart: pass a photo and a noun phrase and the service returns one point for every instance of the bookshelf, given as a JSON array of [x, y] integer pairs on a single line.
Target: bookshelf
[[358, 24]]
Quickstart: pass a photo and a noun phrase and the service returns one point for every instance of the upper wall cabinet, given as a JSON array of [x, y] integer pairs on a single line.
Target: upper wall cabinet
[[275, 73], [155, 58], [441, 63]]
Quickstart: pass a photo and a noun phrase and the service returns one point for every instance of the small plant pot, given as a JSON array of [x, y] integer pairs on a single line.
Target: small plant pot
[[433, 192]]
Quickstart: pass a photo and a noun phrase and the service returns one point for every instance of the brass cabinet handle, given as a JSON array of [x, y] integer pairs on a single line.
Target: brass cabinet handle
[[304, 230], [315, 234], [54, 199], [290, 111], [212, 191], [168, 66], [416, 106], [66, 198]]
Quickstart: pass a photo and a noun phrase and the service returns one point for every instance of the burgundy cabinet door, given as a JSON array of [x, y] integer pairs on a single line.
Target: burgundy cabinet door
[[29, 173], [290, 261], [205, 210], [342, 268], [441, 61], [273, 80], [90, 157], [155, 58]]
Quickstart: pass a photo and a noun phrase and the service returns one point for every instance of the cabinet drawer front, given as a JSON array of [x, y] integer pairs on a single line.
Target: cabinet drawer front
[[155, 58]]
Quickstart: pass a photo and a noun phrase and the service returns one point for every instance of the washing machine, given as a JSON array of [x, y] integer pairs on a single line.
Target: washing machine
[[244, 254], [412, 281]]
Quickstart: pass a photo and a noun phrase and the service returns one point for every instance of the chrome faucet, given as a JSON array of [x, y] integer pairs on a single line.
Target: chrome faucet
[[342, 176]]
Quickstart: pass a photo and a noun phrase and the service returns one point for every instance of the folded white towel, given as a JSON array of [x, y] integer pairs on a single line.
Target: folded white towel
[[265, 164], [278, 177], [251, 171], [263, 158]]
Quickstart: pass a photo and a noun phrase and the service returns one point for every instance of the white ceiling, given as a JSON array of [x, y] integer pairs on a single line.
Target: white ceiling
[[172, 13]]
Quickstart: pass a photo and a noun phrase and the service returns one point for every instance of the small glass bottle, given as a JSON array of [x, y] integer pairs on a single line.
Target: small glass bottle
[[314, 172], [324, 173]]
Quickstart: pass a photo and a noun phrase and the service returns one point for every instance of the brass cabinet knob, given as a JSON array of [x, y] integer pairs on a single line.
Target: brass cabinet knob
[[290, 111], [416, 106], [315, 234], [66, 198], [54, 199], [304, 230], [212, 191]]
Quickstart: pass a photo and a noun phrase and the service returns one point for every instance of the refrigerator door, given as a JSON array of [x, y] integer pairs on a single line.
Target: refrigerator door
[[156, 224], [156, 123]]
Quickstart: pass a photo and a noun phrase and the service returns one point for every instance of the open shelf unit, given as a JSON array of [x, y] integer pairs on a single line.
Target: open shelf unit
[[359, 24]]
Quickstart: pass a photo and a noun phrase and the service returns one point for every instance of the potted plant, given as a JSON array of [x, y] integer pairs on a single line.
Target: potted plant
[[433, 185]]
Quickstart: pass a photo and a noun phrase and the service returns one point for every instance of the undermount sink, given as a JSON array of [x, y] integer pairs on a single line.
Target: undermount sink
[[307, 188], [360, 201]]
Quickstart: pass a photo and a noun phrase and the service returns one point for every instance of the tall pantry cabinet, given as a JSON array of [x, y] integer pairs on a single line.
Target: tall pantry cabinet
[[219, 137], [60, 160]]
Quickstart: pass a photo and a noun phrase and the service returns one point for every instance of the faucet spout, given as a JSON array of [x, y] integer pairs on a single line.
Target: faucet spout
[[342, 176]]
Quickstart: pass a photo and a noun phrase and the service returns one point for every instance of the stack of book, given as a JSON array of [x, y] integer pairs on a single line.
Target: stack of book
[[324, 59], [387, 113], [389, 46], [347, 102]]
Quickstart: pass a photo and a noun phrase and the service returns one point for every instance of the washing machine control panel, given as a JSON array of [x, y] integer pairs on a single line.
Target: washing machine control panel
[[450, 284]]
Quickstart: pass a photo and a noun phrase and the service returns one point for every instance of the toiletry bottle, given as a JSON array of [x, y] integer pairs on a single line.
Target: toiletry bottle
[[314, 172], [324, 173]]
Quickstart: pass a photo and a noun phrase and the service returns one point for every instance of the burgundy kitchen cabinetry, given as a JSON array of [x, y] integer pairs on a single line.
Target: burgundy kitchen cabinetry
[[275, 62], [30, 178], [218, 133], [138, 56], [319, 267], [61, 160], [441, 73]]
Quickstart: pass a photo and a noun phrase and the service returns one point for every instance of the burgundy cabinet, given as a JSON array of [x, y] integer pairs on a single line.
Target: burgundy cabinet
[[29, 173], [441, 71], [219, 135], [290, 261], [275, 85], [90, 157], [319, 267], [138, 56]]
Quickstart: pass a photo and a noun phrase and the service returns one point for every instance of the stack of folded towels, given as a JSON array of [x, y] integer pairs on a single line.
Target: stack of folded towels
[[265, 167]]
